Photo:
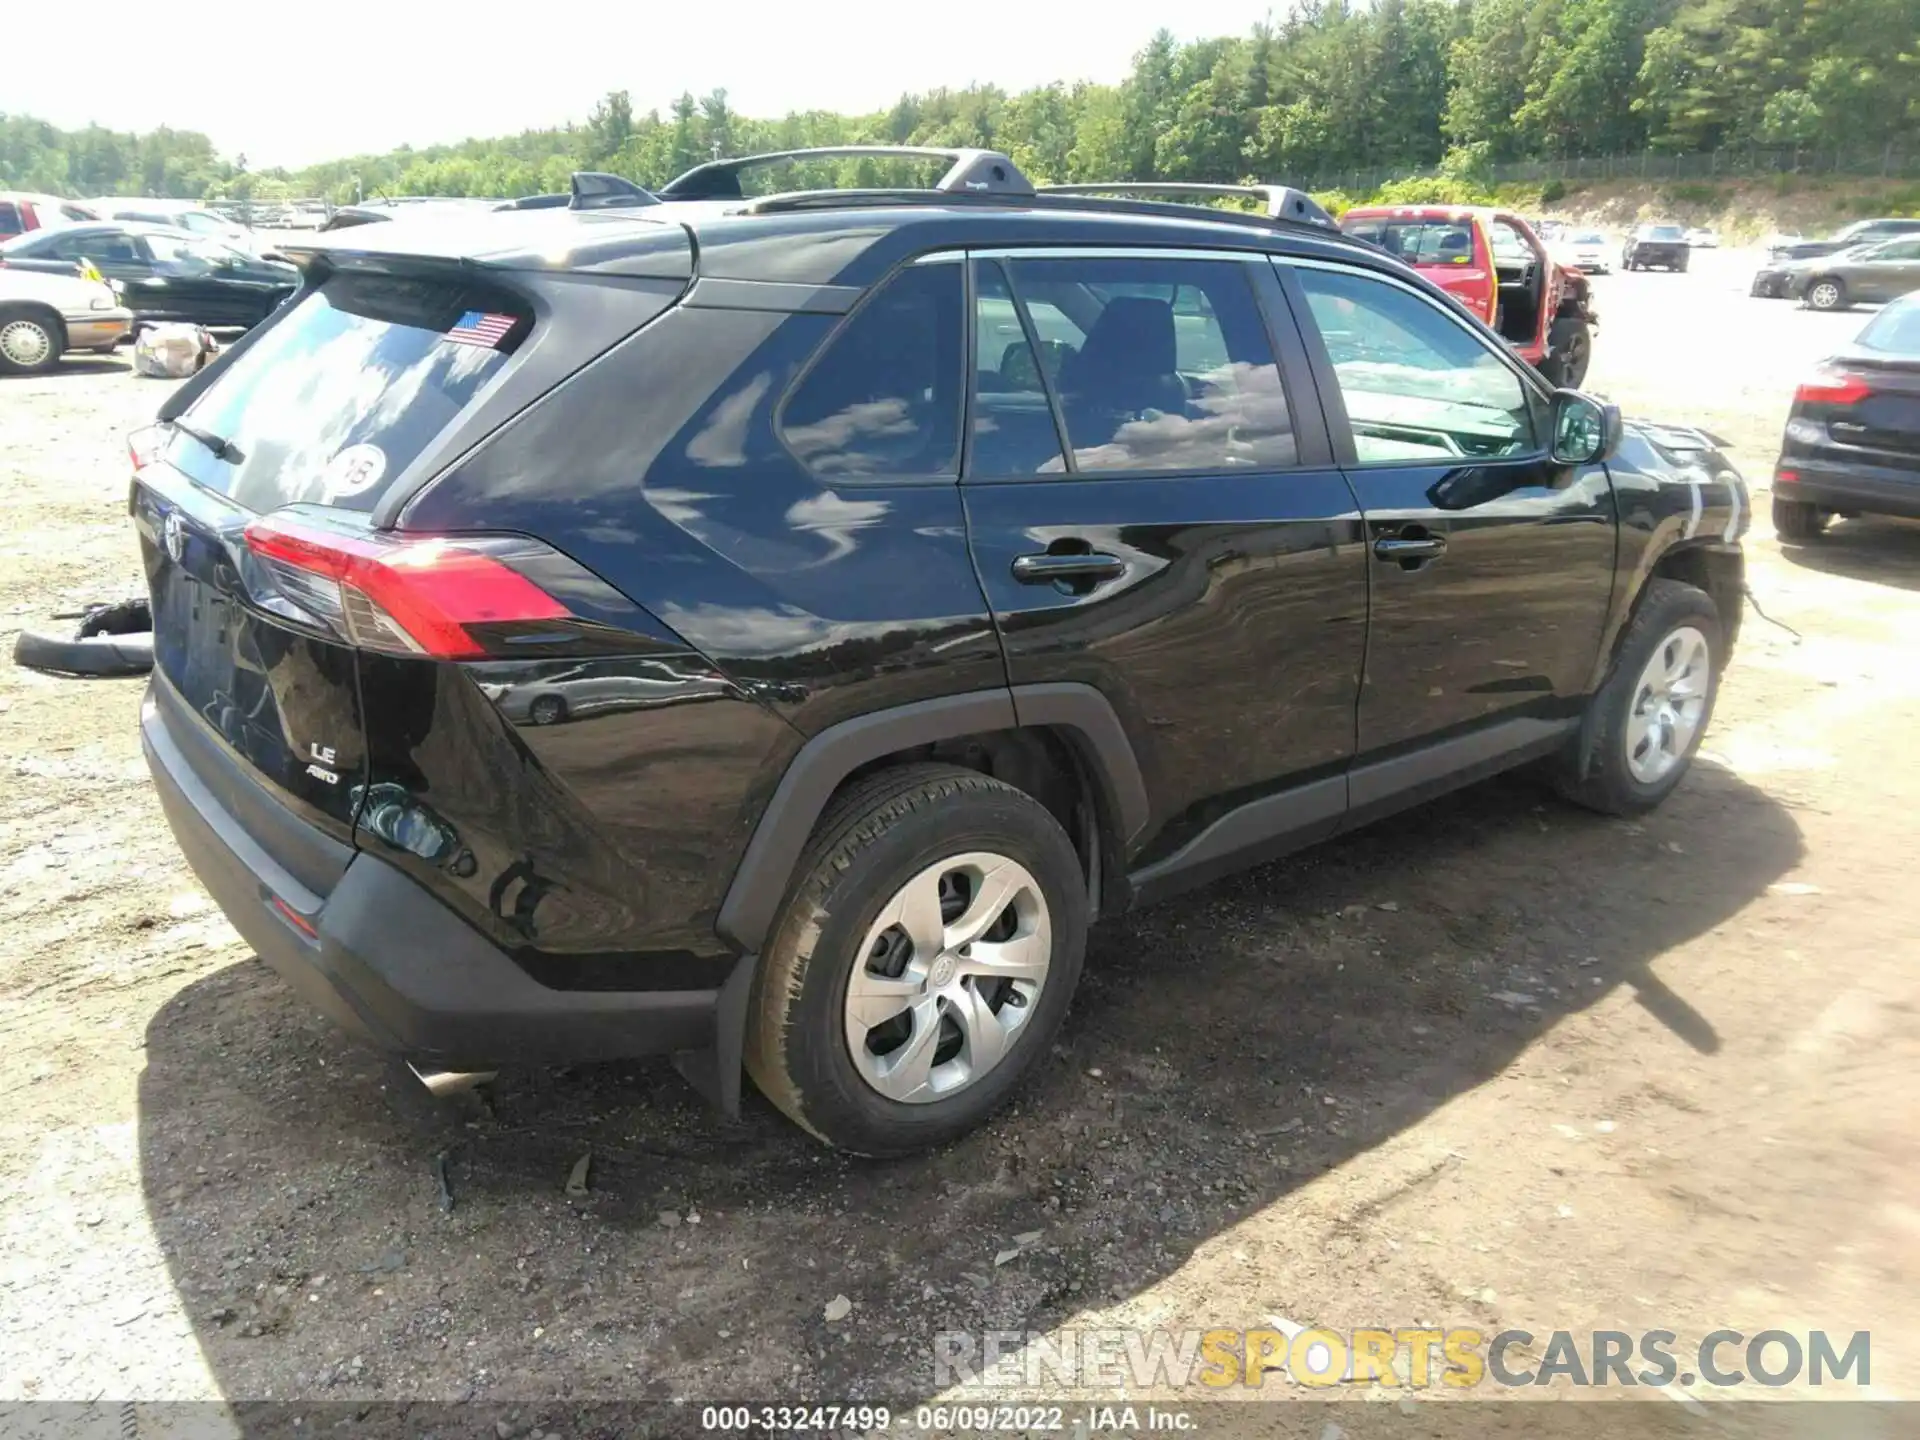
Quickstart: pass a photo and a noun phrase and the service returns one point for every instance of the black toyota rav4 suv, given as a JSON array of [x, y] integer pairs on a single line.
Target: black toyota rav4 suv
[[924, 575]]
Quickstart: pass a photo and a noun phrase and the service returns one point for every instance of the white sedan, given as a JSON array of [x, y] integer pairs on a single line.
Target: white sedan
[[43, 316], [1588, 251]]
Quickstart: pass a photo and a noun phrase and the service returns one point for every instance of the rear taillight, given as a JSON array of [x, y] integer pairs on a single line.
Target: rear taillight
[[1832, 387], [144, 446], [440, 597]]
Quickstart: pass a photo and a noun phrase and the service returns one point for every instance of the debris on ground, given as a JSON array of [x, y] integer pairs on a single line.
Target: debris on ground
[[837, 1309], [577, 1177]]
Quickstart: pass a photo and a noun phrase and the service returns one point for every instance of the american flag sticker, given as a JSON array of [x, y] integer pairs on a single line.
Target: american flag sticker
[[480, 327]]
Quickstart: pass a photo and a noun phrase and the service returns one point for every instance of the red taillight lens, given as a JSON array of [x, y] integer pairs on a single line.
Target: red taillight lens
[[1832, 387], [145, 444], [405, 596]]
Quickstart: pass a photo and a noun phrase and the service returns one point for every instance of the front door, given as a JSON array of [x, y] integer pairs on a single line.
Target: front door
[[1491, 564], [1893, 271], [1153, 512]]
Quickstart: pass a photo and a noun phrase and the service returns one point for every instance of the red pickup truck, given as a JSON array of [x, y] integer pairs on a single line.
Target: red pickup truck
[[1493, 263]]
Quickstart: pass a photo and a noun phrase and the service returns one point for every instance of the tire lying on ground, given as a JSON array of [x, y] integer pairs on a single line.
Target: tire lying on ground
[[101, 655]]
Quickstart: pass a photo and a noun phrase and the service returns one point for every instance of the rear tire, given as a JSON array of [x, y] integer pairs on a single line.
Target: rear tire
[[881, 844], [1648, 719], [1798, 520], [547, 710]]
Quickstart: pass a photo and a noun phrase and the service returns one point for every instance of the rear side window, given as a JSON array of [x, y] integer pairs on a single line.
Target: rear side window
[[883, 397], [1013, 428], [330, 405], [10, 219], [1158, 364]]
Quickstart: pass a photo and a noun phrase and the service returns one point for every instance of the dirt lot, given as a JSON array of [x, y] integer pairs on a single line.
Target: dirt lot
[[1496, 1063]]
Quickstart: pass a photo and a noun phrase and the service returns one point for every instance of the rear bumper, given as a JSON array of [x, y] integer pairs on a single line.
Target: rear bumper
[[1869, 489], [97, 328], [384, 959]]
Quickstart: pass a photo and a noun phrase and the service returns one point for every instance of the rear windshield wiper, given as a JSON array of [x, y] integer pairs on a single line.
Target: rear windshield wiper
[[222, 448]]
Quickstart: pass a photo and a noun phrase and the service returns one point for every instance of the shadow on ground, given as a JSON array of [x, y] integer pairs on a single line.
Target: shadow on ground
[[1873, 549], [75, 366], [292, 1179]]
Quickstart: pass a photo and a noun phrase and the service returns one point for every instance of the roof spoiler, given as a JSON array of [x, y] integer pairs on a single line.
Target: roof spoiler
[[597, 190], [1280, 202], [978, 172]]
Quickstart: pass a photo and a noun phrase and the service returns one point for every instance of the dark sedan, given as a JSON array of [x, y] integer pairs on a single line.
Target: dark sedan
[[1852, 445], [1650, 245], [163, 273]]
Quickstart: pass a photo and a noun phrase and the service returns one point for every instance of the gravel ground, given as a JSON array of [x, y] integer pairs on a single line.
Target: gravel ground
[[1496, 1063]]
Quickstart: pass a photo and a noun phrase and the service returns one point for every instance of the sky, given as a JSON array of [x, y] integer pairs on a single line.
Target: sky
[[293, 84]]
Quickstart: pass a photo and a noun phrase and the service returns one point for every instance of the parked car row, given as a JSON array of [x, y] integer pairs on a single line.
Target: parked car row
[[1869, 260], [164, 273]]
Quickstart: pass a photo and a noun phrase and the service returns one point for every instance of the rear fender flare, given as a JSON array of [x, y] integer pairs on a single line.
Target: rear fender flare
[[752, 902]]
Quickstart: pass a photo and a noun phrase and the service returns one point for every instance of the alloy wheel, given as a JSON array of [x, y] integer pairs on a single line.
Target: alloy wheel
[[1669, 702]]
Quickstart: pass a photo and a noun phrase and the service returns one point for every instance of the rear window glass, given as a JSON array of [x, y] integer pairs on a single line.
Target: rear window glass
[[1419, 242], [337, 399], [1665, 232], [1894, 331]]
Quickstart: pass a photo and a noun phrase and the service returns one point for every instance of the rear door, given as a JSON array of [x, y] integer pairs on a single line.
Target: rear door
[[314, 421], [1153, 513]]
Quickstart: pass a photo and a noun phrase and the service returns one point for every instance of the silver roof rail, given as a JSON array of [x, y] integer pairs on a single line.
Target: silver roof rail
[[976, 172], [1281, 202]]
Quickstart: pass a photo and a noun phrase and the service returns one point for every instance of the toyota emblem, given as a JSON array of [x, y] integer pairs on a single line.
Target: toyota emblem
[[173, 534]]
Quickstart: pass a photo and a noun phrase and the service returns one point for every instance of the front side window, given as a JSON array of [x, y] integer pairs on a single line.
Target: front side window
[[1417, 384], [10, 222], [1157, 364], [883, 398]]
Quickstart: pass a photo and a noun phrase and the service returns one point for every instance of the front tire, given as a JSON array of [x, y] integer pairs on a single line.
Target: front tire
[[923, 962], [1798, 520], [1648, 719], [1827, 293], [547, 710]]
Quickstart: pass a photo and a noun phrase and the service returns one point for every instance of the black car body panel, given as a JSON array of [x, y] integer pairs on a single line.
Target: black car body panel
[[1664, 246], [1852, 442], [165, 274], [756, 597]]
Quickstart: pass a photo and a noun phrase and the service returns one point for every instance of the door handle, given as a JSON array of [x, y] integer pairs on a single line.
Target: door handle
[[1046, 568], [1405, 548]]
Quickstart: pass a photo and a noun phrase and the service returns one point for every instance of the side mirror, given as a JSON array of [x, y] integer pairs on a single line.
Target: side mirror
[[1585, 431]]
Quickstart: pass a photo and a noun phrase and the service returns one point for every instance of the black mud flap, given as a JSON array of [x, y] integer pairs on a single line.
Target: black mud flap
[[716, 1073]]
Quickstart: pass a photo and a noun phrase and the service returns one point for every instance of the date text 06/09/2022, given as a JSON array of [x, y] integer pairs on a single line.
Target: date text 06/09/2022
[[1017, 1419]]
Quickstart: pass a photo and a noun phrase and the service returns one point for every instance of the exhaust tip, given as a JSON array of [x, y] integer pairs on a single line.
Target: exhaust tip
[[441, 1083]]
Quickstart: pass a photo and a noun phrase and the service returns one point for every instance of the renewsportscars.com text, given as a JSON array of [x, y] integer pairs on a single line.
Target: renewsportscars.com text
[[1410, 1356]]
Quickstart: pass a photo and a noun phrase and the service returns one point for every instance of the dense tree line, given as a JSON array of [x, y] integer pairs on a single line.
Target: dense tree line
[[1335, 86]]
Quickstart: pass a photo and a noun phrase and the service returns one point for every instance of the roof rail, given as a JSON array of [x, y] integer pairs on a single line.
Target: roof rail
[[597, 190], [968, 171], [1282, 202]]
